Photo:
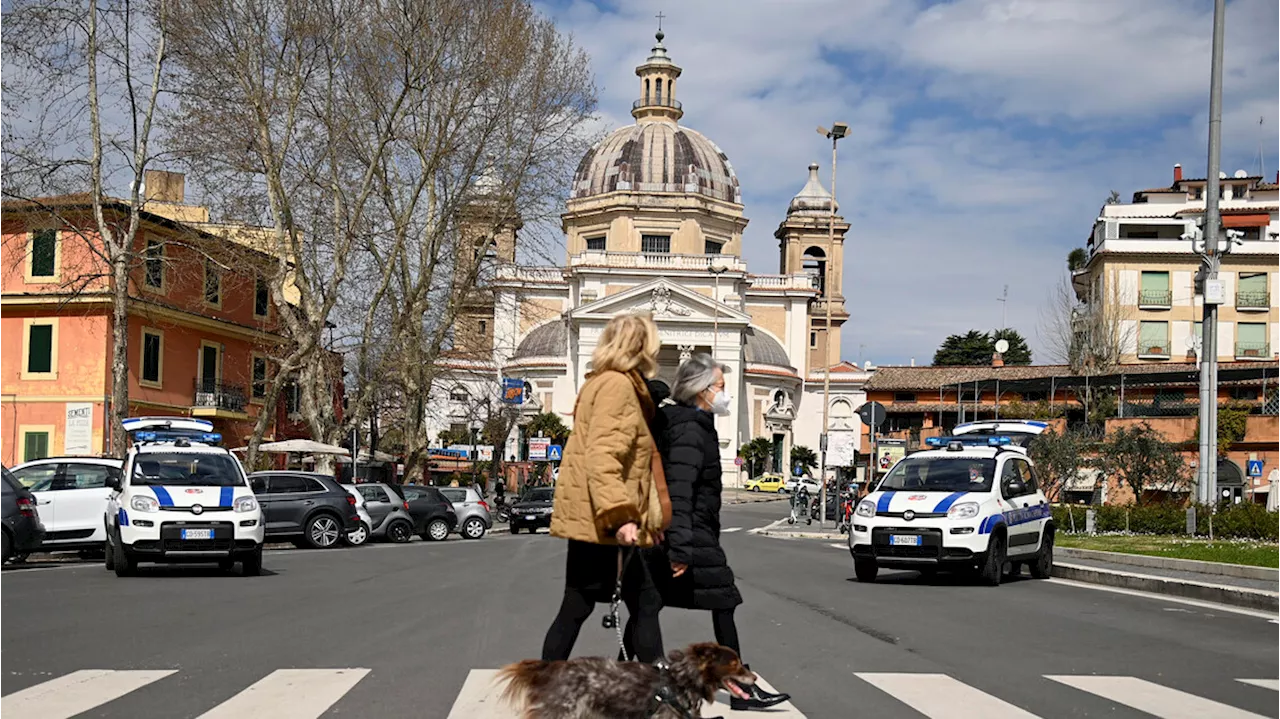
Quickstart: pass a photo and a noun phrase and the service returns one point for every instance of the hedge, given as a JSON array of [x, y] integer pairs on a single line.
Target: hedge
[[1234, 521]]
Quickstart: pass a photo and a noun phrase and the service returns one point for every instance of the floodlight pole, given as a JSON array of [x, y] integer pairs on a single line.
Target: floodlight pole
[[837, 131]]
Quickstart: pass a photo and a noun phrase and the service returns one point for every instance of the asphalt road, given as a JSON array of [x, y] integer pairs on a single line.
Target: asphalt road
[[409, 631]]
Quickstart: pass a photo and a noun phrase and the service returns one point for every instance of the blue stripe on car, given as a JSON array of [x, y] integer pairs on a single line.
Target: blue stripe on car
[[946, 503], [883, 504], [162, 496], [227, 497], [122, 518]]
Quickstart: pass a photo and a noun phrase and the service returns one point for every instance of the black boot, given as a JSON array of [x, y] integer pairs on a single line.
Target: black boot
[[757, 698]]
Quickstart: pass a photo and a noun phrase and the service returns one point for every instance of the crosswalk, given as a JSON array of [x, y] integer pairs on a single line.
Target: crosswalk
[[310, 693]]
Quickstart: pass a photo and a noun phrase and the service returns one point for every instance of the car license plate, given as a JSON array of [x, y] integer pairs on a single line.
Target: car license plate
[[909, 540], [529, 517], [197, 534]]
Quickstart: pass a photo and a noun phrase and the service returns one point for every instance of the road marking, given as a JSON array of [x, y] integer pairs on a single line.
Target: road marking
[[76, 692], [290, 694], [1153, 698], [1165, 598], [838, 545], [938, 695], [730, 529], [1272, 684], [478, 699]]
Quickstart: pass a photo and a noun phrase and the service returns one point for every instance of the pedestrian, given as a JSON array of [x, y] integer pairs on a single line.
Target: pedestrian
[[700, 576], [607, 502]]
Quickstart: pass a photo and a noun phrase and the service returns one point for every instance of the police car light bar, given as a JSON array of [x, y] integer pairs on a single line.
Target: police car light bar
[[160, 436], [1028, 422], [182, 424], [970, 439]]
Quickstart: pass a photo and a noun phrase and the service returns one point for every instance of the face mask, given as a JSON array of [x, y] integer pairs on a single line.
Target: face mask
[[720, 403]]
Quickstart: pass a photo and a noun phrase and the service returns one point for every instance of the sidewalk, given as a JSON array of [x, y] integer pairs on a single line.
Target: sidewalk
[[780, 529], [1251, 587], [735, 495]]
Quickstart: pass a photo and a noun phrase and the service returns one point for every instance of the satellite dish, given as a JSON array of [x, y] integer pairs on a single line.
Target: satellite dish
[[1240, 174], [1222, 175], [1002, 346]]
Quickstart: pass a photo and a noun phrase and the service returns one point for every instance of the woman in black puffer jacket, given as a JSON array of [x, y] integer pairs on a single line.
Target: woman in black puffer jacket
[[700, 577]]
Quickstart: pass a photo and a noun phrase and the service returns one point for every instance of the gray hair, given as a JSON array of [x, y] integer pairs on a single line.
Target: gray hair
[[694, 377]]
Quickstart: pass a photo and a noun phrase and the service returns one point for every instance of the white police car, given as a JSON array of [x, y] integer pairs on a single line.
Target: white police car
[[972, 502], [182, 498]]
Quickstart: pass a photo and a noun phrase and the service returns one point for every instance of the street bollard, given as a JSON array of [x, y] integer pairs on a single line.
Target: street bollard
[[1090, 517], [1191, 520]]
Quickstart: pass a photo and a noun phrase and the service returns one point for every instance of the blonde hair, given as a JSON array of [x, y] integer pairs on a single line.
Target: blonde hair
[[629, 342]]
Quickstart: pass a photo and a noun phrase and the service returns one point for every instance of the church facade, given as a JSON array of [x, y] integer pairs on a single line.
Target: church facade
[[654, 223]]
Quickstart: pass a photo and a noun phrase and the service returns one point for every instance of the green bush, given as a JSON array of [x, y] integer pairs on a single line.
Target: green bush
[[1244, 521], [1236, 521]]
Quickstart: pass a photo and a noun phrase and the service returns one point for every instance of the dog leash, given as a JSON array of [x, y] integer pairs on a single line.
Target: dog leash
[[611, 620]]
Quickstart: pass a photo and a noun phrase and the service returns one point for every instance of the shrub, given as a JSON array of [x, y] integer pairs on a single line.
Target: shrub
[[1235, 521]]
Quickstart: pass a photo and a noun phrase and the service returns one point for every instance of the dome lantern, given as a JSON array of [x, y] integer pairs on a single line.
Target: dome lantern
[[657, 87]]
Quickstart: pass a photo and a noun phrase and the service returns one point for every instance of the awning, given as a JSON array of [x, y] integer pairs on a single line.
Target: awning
[[1253, 220], [298, 446]]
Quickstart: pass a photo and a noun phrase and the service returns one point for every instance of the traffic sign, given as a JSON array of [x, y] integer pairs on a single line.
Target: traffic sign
[[737, 461], [872, 413], [554, 453], [1255, 468]]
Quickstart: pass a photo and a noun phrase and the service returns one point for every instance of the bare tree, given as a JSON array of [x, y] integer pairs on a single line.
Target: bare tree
[[82, 86], [1087, 329]]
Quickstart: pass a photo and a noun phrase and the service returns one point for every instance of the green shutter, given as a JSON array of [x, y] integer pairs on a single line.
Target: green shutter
[[1253, 282], [36, 446], [1153, 335], [40, 349], [1252, 333], [1155, 281], [44, 253]]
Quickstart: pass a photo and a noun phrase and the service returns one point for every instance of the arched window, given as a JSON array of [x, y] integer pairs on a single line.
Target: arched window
[[670, 94], [459, 395], [814, 263], [646, 91], [658, 86]]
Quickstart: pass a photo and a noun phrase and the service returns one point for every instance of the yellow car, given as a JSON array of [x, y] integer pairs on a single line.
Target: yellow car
[[766, 483]]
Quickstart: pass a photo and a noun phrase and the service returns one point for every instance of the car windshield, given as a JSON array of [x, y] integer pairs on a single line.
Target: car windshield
[[941, 474], [190, 469], [541, 494]]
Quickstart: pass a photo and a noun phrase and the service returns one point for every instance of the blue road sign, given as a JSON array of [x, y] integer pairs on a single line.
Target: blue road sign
[[1255, 468], [554, 452]]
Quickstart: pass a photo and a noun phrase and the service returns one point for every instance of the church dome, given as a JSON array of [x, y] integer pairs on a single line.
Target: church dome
[[547, 340], [657, 157], [760, 348], [813, 198]]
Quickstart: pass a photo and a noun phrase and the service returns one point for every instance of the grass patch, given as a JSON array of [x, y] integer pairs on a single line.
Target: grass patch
[[1231, 551]]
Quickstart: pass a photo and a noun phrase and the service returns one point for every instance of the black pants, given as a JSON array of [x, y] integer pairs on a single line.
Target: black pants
[[590, 573], [726, 631]]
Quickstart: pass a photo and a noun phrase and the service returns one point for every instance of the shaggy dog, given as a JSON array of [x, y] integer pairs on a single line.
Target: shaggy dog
[[599, 688]]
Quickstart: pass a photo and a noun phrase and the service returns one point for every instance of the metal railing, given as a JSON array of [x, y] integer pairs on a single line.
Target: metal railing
[[218, 395], [1253, 299], [1155, 298], [1153, 350], [656, 102], [1253, 350]]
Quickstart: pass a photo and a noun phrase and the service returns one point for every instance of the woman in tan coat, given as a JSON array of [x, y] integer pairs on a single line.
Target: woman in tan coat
[[603, 496]]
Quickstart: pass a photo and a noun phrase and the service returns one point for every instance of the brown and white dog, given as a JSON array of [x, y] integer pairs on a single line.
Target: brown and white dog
[[599, 688]]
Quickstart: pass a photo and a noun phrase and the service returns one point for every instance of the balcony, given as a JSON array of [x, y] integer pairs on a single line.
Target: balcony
[[1253, 350], [1155, 299], [657, 261], [798, 281], [656, 102], [1154, 351], [1253, 301], [218, 399]]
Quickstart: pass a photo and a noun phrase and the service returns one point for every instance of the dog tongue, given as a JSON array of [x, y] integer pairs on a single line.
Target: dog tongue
[[736, 690]]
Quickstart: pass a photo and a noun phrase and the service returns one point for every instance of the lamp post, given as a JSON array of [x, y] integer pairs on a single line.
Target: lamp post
[[717, 269], [837, 131]]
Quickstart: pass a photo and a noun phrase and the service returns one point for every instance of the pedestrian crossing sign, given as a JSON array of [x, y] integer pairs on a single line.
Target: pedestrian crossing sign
[[554, 452], [1255, 468]]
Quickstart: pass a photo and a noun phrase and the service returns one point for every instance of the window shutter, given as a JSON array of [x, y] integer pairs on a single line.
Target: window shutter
[[40, 349]]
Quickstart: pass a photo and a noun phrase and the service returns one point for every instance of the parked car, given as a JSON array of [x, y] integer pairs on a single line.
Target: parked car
[[765, 483], [795, 483], [306, 508], [433, 514], [23, 529], [474, 518], [360, 535], [532, 510], [71, 494], [389, 516]]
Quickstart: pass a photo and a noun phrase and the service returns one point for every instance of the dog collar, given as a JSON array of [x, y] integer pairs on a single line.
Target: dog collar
[[666, 694]]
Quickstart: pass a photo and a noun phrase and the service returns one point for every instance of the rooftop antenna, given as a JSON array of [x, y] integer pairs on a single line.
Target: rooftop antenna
[[1262, 170], [1004, 303]]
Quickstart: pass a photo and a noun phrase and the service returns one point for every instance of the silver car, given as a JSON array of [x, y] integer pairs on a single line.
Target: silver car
[[388, 513], [473, 512]]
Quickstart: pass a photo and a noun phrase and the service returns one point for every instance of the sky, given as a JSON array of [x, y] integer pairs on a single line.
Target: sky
[[986, 134]]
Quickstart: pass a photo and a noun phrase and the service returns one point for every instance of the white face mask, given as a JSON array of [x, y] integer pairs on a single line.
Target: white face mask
[[720, 403]]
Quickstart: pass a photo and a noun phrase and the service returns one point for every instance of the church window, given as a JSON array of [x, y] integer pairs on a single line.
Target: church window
[[484, 327], [646, 92], [459, 395], [596, 244], [813, 339], [814, 263], [713, 247], [655, 244]]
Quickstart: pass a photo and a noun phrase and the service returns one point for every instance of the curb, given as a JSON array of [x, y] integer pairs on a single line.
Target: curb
[[776, 529], [1221, 594], [1240, 571]]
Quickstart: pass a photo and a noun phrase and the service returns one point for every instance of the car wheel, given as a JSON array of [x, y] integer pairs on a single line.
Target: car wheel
[[108, 556], [227, 564], [359, 535], [323, 531], [1042, 566], [865, 570], [473, 528], [993, 564], [437, 531], [124, 565], [399, 531], [251, 565], [755, 488]]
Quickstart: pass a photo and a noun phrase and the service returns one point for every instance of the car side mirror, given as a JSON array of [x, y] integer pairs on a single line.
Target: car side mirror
[[1014, 488], [113, 482]]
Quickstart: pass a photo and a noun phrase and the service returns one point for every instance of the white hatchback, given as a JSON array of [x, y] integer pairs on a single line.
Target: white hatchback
[[973, 503], [71, 494]]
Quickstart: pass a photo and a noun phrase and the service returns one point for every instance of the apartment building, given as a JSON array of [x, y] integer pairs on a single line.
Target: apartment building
[[201, 329], [1139, 265]]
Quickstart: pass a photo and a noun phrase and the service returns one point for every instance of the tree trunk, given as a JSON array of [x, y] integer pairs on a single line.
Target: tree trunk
[[119, 351]]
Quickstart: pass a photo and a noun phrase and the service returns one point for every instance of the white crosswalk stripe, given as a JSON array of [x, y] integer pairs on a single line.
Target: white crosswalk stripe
[[1272, 684], [1153, 698], [76, 692], [729, 530], [290, 694], [938, 695]]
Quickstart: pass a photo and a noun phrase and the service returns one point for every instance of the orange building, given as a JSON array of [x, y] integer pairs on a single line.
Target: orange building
[[201, 324]]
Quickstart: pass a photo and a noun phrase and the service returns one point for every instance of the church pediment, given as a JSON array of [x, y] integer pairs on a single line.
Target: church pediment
[[667, 301]]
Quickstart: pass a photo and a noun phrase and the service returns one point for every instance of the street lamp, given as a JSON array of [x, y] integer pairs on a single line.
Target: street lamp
[[717, 269], [837, 131]]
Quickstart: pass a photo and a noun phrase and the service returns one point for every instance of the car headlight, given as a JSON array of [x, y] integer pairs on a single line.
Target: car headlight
[[246, 504], [866, 508], [143, 503], [964, 510]]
